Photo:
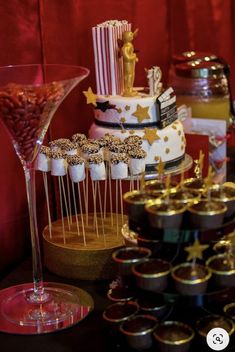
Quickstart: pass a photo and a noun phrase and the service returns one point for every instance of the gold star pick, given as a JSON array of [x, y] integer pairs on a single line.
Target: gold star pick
[[141, 113], [90, 96], [196, 250], [122, 120], [160, 167], [209, 178], [127, 107], [150, 134], [119, 110]]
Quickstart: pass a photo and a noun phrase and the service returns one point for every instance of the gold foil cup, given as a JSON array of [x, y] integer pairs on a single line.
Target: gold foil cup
[[135, 202], [194, 184], [225, 196], [164, 219], [154, 187], [229, 310], [118, 312], [222, 277], [205, 324], [138, 331], [187, 286], [185, 196], [128, 256], [174, 344], [150, 276], [201, 218]]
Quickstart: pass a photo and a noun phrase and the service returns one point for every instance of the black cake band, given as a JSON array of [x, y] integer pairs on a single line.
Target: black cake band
[[168, 164], [137, 126]]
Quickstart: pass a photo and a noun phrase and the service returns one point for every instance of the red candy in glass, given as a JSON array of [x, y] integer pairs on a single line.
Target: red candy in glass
[[29, 97]]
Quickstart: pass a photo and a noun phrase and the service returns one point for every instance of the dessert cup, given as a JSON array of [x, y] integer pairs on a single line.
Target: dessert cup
[[205, 324], [222, 267], [118, 312], [151, 303], [138, 331], [135, 202], [229, 310], [154, 187], [173, 336], [128, 256], [163, 215], [195, 184], [206, 215], [152, 274], [185, 196], [225, 195], [150, 242], [190, 279], [121, 294]]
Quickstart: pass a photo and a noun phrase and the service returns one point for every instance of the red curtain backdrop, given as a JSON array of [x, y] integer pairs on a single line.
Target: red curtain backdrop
[[53, 31]]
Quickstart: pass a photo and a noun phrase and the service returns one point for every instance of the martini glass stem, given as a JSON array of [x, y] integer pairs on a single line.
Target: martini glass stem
[[38, 294]]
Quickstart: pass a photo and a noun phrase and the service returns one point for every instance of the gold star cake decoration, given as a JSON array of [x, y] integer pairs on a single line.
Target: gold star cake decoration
[[150, 134], [196, 250], [127, 107], [90, 96], [141, 113], [122, 120]]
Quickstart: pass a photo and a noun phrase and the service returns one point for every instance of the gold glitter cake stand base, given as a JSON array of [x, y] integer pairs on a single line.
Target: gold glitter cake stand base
[[66, 255]]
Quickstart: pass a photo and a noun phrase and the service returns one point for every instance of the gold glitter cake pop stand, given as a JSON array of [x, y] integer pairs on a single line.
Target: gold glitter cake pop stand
[[66, 255]]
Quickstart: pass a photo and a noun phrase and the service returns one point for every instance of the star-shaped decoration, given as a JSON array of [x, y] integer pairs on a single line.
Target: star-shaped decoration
[[141, 113], [90, 96], [160, 166], [123, 131], [132, 132], [196, 250], [122, 120], [127, 107], [104, 106], [166, 139], [119, 110], [174, 127], [150, 134]]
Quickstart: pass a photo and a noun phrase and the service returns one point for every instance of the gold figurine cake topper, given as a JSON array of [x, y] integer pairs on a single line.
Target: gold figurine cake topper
[[129, 59], [199, 165]]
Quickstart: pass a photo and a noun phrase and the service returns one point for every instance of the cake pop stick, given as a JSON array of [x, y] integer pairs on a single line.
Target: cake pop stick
[[101, 212], [94, 205], [75, 208], [121, 202], [44, 175], [65, 201], [81, 213], [117, 206], [61, 210], [69, 200], [110, 193]]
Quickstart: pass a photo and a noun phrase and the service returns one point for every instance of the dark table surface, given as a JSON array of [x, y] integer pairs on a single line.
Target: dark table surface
[[91, 334]]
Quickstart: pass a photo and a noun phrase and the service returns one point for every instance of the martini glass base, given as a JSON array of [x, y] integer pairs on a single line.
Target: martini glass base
[[65, 306]]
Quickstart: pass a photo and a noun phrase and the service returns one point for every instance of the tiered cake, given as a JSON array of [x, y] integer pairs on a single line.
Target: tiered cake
[[122, 110]]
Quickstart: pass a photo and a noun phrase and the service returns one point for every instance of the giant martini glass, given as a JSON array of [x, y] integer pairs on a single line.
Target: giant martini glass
[[29, 97]]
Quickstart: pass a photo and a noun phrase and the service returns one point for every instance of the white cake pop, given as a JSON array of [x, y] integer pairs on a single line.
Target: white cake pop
[[76, 167], [90, 148], [43, 161], [137, 160], [97, 167], [58, 163], [119, 166], [55, 145], [69, 148]]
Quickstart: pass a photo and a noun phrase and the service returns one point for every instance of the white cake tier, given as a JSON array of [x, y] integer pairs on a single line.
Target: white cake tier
[[140, 109], [168, 143]]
